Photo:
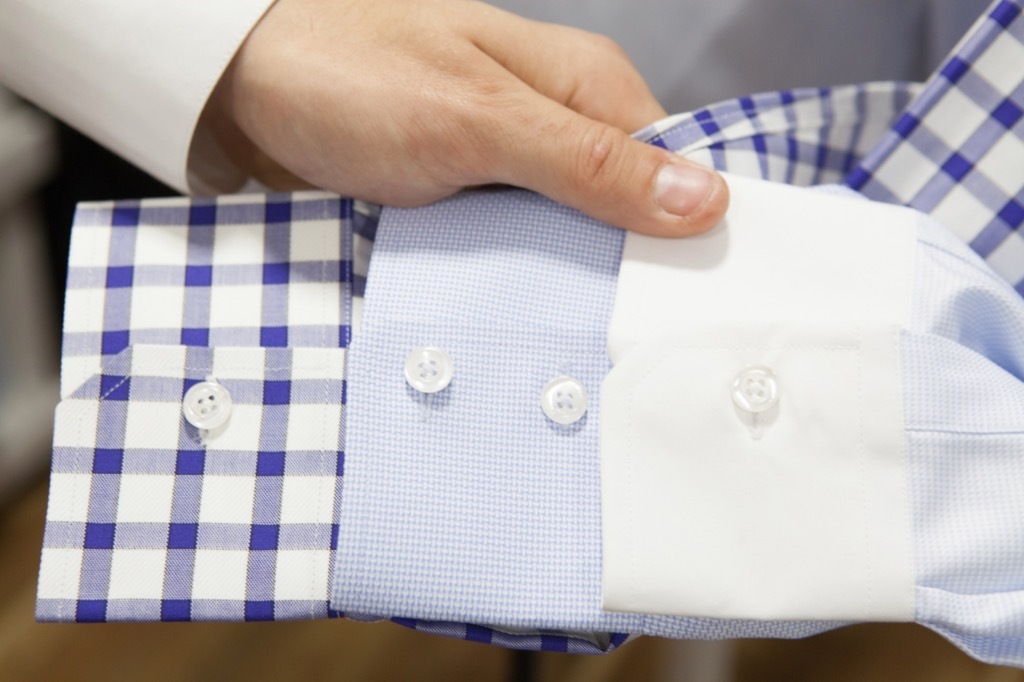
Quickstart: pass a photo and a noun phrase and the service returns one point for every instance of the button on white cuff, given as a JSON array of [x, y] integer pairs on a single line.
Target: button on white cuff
[[207, 405], [428, 369], [564, 400], [755, 389]]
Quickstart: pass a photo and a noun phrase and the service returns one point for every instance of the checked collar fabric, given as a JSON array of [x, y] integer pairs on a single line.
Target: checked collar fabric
[[146, 522]]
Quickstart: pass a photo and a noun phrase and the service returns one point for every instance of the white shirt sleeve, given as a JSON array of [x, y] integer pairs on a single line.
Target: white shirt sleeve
[[135, 75]]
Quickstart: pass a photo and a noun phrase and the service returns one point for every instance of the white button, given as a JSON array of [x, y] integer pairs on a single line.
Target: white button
[[428, 369], [207, 405], [755, 389], [564, 400]]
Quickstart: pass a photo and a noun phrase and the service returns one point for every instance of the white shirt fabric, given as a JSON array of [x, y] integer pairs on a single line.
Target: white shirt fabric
[[135, 76], [712, 506]]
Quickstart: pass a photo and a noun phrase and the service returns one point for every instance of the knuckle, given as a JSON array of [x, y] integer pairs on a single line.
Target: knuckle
[[599, 159], [603, 45]]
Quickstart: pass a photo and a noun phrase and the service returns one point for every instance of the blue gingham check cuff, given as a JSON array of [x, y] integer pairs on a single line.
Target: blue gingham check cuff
[[161, 295], [147, 521]]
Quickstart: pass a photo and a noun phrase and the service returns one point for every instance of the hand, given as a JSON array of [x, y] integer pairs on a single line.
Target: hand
[[403, 102]]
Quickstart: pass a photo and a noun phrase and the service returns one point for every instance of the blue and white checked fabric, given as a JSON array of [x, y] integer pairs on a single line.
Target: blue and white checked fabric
[[146, 523], [957, 152]]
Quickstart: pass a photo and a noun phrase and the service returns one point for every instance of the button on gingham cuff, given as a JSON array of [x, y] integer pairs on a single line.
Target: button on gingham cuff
[[172, 527]]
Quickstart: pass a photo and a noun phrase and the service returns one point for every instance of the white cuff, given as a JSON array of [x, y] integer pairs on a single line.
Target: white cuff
[[752, 443]]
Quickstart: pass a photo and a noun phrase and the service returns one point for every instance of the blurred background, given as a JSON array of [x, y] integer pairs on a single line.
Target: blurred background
[[46, 168]]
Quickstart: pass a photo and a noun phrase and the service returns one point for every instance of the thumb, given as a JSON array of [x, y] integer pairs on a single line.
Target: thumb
[[604, 173]]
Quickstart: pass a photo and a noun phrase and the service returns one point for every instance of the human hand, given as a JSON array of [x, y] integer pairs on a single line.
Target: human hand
[[403, 102]]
